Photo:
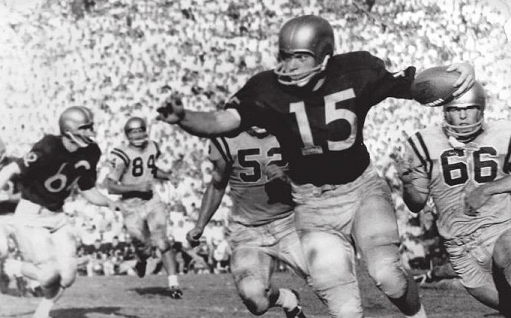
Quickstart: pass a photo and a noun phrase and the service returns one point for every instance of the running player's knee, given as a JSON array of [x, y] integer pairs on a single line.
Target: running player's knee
[[68, 272], [386, 270], [163, 245], [255, 296], [502, 251], [48, 274]]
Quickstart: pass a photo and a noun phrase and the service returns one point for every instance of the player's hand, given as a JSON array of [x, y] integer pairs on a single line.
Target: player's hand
[[145, 186], [276, 172], [172, 111], [193, 236], [404, 168], [475, 199], [466, 79]]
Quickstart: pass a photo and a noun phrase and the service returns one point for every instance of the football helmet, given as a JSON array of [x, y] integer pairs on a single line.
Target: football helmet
[[135, 130], [475, 96], [305, 34], [77, 124]]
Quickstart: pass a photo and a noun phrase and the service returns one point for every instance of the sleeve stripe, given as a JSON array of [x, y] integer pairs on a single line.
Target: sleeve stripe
[[121, 154], [425, 159], [223, 147], [158, 152]]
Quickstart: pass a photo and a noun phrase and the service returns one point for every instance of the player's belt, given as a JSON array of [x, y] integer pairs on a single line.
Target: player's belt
[[138, 194]]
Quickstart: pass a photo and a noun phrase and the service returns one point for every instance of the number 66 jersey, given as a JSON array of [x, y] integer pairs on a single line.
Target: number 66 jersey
[[449, 172]]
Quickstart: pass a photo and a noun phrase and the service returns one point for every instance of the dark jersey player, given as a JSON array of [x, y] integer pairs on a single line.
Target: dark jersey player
[[316, 103], [48, 173]]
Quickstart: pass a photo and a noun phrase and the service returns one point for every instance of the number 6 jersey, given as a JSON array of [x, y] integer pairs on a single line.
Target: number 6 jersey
[[49, 171], [449, 173]]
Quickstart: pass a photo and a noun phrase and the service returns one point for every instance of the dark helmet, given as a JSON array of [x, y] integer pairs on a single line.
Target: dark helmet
[[305, 34], [475, 96], [77, 124], [135, 130]]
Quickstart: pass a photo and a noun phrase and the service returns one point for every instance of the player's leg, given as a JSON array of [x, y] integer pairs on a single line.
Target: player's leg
[[157, 222], [502, 271], [289, 250], [323, 220], [138, 230], [376, 235], [251, 269], [40, 263]]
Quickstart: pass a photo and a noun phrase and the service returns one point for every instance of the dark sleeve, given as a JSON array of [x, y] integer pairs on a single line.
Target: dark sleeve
[[89, 177], [389, 84], [34, 159], [247, 102]]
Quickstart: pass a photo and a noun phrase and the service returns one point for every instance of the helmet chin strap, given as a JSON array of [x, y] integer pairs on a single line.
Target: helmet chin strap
[[307, 74], [138, 142], [80, 142], [456, 138]]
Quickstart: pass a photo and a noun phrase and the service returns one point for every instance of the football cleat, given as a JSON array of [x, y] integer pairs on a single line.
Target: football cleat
[[140, 268], [296, 312], [175, 292], [424, 278]]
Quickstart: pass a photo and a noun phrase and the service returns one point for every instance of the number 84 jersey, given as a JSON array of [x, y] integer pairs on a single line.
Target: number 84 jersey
[[130, 165], [450, 172]]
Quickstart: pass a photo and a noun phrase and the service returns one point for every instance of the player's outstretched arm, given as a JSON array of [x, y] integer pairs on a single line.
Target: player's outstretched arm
[[466, 79], [7, 172], [414, 194], [210, 201], [95, 197], [201, 124]]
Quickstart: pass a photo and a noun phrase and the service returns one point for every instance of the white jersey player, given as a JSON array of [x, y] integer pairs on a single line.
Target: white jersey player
[[464, 166], [261, 222], [132, 176]]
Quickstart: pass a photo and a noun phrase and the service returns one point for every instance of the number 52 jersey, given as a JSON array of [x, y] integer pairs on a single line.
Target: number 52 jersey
[[450, 173]]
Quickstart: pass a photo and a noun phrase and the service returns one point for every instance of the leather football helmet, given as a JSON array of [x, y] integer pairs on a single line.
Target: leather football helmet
[[135, 130], [475, 96], [305, 34], [77, 124]]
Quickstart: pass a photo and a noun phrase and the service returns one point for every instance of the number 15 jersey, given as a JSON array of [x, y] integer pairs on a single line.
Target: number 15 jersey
[[449, 173]]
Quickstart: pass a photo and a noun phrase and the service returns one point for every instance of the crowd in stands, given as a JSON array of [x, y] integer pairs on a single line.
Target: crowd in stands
[[122, 58]]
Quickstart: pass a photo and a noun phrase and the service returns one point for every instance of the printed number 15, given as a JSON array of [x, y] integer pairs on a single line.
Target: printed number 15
[[331, 114]]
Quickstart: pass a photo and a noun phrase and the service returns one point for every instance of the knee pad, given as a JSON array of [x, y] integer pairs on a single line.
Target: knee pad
[[386, 269], [255, 296], [162, 244], [502, 252], [48, 274], [68, 269]]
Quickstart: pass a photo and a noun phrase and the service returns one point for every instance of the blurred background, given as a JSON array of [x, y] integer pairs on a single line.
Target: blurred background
[[122, 58]]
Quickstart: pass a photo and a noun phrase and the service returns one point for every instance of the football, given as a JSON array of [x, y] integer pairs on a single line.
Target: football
[[434, 86]]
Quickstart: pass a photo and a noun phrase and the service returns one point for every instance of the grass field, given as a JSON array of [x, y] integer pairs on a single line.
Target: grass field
[[214, 296]]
